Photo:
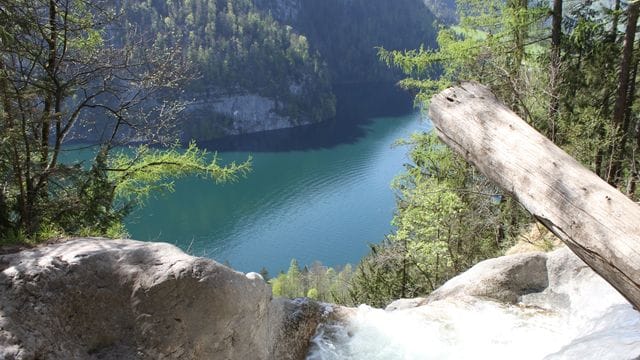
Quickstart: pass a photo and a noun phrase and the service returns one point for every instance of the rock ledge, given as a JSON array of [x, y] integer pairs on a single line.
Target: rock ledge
[[124, 299]]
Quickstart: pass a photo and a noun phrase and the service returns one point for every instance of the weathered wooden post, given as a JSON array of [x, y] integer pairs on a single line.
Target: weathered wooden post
[[600, 224]]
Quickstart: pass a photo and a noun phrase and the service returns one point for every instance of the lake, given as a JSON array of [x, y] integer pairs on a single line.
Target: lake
[[316, 193]]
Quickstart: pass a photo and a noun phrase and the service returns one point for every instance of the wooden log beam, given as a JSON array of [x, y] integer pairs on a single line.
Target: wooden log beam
[[596, 221]]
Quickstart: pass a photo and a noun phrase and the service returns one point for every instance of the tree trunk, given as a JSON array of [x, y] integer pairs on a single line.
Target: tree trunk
[[519, 8], [51, 72], [614, 23], [628, 130], [596, 221], [623, 98], [554, 68]]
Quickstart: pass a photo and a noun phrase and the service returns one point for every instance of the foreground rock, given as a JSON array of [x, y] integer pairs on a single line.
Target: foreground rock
[[122, 299]]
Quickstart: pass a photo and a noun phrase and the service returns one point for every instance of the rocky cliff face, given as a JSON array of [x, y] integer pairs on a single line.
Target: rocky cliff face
[[207, 119], [122, 299]]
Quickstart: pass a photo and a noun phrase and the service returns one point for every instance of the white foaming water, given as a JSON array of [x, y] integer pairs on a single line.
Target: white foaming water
[[589, 320]]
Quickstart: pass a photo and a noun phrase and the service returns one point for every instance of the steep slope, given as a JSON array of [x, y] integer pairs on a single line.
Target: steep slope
[[255, 73], [347, 32]]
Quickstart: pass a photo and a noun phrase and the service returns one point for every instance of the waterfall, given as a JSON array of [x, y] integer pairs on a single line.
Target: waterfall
[[579, 316]]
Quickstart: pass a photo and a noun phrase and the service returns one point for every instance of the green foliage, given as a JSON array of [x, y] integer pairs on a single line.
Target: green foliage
[[313, 294], [317, 282], [150, 170], [346, 33], [487, 46], [506, 45], [448, 218], [238, 49], [446, 221], [77, 77], [96, 200]]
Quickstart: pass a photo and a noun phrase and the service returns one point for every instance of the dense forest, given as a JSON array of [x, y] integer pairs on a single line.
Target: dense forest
[[568, 68], [236, 50], [443, 10], [347, 33], [291, 57]]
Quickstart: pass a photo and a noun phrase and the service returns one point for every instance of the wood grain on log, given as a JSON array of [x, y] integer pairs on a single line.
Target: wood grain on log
[[600, 224]]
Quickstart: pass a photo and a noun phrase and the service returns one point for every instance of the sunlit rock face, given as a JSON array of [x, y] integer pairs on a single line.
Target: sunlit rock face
[[212, 117], [533, 306], [124, 299]]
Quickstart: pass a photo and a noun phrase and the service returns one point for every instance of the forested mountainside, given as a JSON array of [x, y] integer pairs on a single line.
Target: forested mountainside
[[238, 51], [347, 32], [265, 65]]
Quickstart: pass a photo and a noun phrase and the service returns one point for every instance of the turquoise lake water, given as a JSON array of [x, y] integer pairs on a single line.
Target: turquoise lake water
[[319, 193]]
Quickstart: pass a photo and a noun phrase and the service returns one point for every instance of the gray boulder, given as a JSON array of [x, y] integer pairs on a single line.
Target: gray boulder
[[293, 324], [504, 279], [544, 280], [123, 299]]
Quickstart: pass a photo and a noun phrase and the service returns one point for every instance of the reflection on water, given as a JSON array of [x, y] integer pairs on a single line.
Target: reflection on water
[[357, 106]]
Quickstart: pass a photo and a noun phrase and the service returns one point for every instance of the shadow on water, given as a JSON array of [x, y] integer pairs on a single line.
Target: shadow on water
[[356, 105]]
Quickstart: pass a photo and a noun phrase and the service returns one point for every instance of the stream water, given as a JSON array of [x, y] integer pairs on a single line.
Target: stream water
[[580, 318]]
